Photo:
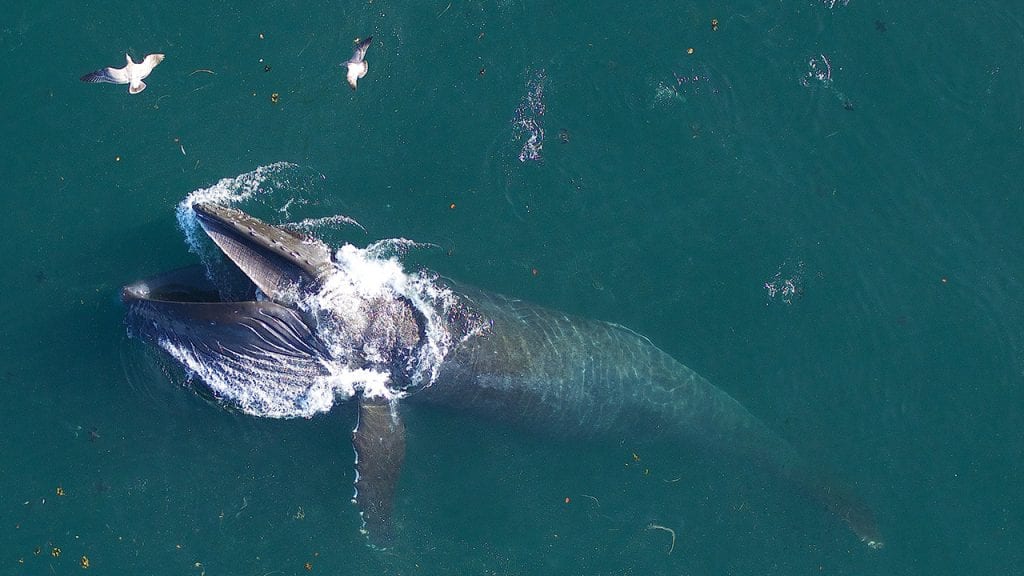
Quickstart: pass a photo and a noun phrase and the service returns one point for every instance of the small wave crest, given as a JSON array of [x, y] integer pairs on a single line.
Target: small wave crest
[[316, 224], [395, 247]]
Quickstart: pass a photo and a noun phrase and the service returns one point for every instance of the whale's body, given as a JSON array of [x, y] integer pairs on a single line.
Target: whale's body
[[499, 357], [585, 377]]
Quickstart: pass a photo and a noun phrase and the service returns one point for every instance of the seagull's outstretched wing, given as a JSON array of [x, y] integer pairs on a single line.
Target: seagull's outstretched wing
[[112, 75], [360, 52], [148, 63]]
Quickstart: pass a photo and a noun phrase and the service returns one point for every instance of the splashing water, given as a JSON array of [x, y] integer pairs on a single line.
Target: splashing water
[[365, 288], [786, 284], [833, 3], [819, 69], [665, 93], [684, 86], [819, 72], [528, 120]]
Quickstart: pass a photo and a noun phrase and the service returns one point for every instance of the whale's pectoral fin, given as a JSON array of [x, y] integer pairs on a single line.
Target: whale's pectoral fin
[[379, 442]]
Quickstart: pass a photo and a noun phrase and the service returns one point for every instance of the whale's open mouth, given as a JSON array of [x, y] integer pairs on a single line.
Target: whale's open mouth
[[272, 261], [286, 326], [244, 334]]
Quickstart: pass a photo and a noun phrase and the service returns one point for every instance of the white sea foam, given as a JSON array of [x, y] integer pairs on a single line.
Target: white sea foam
[[363, 289], [368, 383]]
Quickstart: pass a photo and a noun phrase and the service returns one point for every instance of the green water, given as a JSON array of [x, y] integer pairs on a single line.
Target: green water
[[898, 364]]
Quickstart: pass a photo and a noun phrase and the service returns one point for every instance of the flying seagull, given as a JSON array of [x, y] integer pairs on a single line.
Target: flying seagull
[[357, 67], [132, 73]]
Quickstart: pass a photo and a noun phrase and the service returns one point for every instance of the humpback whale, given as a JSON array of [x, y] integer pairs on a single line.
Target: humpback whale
[[316, 325]]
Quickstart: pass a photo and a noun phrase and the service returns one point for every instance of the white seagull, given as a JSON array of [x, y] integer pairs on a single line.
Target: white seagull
[[357, 67], [132, 73]]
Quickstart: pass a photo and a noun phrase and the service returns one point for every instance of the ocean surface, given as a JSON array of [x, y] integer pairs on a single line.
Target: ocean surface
[[816, 205]]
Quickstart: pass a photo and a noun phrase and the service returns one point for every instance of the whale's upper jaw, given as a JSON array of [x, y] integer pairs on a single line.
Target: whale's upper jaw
[[280, 263]]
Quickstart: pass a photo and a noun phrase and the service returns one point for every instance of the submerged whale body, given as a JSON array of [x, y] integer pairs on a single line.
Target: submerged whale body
[[321, 326]]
